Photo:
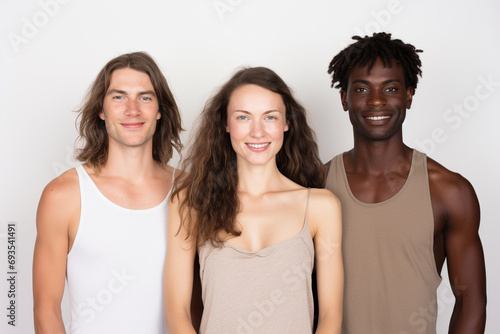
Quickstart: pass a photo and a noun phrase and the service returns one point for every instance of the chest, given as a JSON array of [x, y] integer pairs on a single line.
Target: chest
[[135, 196], [266, 222], [376, 188]]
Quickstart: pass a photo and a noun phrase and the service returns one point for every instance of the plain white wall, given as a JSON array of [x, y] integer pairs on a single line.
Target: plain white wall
[[51, 51]]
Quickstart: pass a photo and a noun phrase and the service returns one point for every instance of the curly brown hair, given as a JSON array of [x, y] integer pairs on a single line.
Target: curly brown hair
[[211, 177], [93, 130]]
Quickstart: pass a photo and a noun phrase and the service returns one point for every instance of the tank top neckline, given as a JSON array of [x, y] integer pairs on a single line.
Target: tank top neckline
[[276, 244], [390, 199], [119, 207]]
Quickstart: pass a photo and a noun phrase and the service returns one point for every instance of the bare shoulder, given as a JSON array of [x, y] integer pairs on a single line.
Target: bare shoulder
[[324, 215], [60, 198], [323, 197], [447, 184], [324, 206], [63, 187], [454, 200]]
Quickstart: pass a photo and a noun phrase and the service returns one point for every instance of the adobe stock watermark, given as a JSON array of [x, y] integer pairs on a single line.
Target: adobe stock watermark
[[30, 26], [292, 279], [454, 117], [381, 18], [88, 310], [222, 7], [328, 246], [425, 315]]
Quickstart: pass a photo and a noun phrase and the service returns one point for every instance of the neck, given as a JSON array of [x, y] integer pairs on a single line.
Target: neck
[[135, 163], [380, 156], [257, 180]]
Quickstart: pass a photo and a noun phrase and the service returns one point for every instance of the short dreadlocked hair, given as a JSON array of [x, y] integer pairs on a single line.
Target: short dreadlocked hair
[[367, 50]]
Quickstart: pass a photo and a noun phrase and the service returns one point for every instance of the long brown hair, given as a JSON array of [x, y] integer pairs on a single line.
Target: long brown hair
[[93, 130], [211, 180]]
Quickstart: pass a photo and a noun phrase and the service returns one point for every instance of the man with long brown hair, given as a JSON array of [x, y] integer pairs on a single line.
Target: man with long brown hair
[[102, 225]]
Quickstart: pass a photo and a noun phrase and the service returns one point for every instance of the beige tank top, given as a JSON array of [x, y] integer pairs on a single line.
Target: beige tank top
[[390, 270], [265, 291]]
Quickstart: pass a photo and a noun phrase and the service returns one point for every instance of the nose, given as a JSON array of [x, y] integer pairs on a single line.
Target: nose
[[257, 129], [132, 107], [376, 99]]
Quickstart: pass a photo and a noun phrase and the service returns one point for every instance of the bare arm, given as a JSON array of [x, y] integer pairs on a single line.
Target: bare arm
[[178, 278], [463, 249], [326, 219], [54, 215]]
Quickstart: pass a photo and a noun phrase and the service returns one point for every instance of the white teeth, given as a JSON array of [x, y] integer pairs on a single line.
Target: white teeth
[[258, 145], [377, 118]]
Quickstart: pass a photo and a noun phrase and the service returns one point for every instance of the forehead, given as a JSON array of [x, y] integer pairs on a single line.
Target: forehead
[[255, 98], [128, 77], [378, 72]]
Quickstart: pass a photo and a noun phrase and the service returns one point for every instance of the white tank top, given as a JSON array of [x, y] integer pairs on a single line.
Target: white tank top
[[115, 267]]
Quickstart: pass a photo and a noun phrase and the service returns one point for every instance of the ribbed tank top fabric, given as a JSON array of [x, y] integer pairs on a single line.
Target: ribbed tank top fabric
[[115, 267], [390, 271], [264, 291]]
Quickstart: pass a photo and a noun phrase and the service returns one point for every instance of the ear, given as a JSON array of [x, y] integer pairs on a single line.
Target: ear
[[101, 115], [343, 99], [158, 114], [286, 126], [409, 97]]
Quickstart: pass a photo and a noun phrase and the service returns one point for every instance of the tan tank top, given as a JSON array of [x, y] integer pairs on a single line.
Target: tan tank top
[[390, 270], [265, 291]]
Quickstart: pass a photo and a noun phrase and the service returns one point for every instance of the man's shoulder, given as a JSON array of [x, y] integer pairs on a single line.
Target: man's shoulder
[[448, 184], [62, 188], [60, 203], [440, 174]]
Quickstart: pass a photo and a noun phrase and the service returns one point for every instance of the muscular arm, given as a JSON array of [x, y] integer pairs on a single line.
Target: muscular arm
[[178, 278], [454, 196], [54, 215], [326, 223]]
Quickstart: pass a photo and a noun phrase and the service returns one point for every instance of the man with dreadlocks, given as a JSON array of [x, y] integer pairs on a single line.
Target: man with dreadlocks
[[403, 213]]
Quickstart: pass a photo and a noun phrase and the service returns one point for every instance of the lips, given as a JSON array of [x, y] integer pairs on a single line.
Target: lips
[[258, 147], [134, 125], [377, 118]]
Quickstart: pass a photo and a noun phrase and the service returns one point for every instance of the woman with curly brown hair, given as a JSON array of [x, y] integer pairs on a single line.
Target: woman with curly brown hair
[[250, 208]]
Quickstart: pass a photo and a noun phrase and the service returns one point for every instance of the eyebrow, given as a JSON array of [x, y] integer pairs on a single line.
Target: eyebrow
[[366, 82], [119, 91], [265, 112]]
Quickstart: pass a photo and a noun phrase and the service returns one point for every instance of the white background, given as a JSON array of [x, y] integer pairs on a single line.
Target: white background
[[51, 51]]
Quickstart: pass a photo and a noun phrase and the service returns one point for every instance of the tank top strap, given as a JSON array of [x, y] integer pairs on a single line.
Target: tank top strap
[[307, 205]]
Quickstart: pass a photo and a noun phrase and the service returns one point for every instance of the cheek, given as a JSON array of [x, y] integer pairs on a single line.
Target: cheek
[[277, 130], [236, 131]]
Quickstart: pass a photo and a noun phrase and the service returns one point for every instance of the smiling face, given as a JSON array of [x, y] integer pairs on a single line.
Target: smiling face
[[256, 122], [130, 108], [377, 100]]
